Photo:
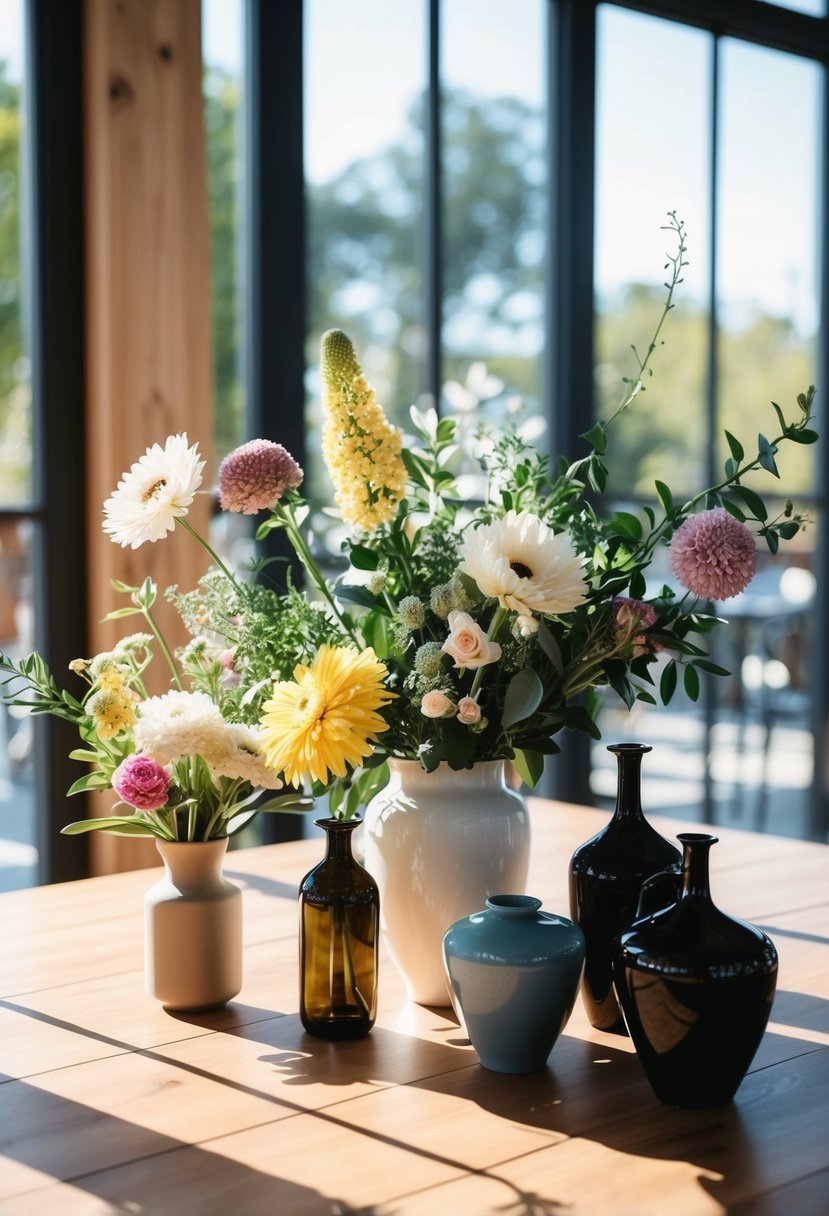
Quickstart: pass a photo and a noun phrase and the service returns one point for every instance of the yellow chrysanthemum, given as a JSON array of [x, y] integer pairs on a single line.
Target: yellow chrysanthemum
[[360, 447], [111, 712], [322, 721]]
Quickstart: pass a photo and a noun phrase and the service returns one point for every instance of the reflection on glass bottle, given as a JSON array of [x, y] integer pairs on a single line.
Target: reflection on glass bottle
[[696, 985], [606, 876], [338, 940]]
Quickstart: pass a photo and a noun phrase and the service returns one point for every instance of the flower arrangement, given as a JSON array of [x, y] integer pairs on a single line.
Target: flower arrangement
[[457, 632]]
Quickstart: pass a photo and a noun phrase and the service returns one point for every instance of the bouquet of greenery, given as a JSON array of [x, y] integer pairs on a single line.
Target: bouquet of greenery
[[457, 632]]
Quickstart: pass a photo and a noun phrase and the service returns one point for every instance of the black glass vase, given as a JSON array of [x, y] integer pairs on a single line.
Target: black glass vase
[[339, 913], [606, 876], [696, 986]]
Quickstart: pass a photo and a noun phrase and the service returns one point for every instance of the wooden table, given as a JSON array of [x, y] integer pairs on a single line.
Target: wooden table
[[109, 1104]]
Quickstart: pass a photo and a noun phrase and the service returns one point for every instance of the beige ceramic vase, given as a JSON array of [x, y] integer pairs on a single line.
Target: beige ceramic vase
[[193, 928]]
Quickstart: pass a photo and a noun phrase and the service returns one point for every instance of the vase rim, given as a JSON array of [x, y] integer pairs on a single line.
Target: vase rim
[[189, 843], [444, 766], [520, 906], [327, 821]]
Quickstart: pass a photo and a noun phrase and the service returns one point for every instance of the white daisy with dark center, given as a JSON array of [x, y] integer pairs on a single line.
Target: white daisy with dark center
[[522, 563]]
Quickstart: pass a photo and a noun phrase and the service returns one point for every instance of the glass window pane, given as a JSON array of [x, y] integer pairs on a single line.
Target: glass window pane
[[495, 192], [18, 850], [223, 98], [769, 234], [652, 158], [365, 78], [15, 386]]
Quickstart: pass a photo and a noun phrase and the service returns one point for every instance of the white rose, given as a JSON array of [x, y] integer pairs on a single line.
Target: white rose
[[437, 705], [467, 643], [469, 711]]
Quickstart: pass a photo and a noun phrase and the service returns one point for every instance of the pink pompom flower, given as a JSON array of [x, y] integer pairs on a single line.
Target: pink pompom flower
[[254, 476], [141, 782], [713, 555]]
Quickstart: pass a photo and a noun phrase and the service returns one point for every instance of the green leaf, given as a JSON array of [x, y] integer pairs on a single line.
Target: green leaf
[[665, 497], [667, 685], [89, 781], [691, 680], [753, 501], [789, 529], [737, 450], [550, 646], [804, 436], [630, 524], [355, 594], [733, 509], [363, 558], [766, 453], [597, 438], [523, 697], [81, 753], [712, 668], [772, 539], [638, 586], [530, 765], [237, 822], [118, 825]]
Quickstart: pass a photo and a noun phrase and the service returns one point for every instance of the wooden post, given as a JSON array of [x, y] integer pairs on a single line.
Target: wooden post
[[148, 308]]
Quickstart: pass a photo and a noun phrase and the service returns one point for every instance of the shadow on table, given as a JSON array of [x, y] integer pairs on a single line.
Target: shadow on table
[[52, 1135]]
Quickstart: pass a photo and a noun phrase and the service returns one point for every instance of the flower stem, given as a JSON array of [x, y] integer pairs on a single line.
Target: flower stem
[[165, 649], [211, 552], [284, 514]]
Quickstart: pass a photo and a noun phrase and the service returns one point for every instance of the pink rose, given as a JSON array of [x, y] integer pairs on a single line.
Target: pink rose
[[141, 782], [469, 711], [467, 643], [437, 705]]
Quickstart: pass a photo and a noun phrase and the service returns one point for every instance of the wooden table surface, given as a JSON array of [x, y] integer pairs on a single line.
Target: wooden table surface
[[110, 1104]]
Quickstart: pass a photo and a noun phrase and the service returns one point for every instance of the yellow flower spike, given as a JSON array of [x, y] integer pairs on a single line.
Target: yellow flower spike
[[360, 447]]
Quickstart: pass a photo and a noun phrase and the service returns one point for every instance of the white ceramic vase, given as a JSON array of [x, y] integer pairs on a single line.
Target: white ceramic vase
[[438, 845], [193, 928]]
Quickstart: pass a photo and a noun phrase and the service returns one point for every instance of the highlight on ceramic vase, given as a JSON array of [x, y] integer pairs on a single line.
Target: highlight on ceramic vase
[[696, 986], [193, 928], [606, 876], [339, 914], [439, 844], [513, 974]]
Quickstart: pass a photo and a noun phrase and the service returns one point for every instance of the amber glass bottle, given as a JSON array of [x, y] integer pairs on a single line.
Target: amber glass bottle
[[339, 914]]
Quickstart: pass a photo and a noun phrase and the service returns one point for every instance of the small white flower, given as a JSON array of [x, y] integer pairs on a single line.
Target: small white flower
[[523, 564], [467, 643], [437, 705], [525, 626], [156, 492]]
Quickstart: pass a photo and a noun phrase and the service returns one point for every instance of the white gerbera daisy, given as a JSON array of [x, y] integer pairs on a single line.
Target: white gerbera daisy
[[156, 491], [179, 724], [522, 563]]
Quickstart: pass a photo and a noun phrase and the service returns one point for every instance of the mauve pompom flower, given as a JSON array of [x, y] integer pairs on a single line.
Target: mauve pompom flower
[[141, 782], [254, 476], [713, 555]]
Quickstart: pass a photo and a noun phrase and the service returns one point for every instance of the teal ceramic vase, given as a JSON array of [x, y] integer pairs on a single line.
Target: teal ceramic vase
[[513, 975]]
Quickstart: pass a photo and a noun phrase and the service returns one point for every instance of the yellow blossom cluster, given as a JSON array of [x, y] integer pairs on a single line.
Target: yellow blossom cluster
[[360, 447]]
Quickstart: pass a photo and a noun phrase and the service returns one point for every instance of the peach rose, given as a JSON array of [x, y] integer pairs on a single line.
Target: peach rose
[[467, 643], [469, 711], [437, 705]]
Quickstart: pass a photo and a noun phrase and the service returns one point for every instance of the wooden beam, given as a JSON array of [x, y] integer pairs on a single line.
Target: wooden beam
[[148, 310]]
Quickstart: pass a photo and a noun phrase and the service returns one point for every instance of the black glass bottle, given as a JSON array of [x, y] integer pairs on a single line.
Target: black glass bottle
[[696, 986], [606, 876], [339, 912]]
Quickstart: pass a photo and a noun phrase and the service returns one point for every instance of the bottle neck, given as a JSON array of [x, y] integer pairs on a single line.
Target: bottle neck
[[628, 781], [338, 838], [696, 849]]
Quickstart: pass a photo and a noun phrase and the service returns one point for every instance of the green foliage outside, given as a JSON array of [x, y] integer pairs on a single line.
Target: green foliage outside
[[15, 395]]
